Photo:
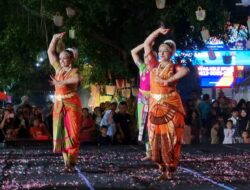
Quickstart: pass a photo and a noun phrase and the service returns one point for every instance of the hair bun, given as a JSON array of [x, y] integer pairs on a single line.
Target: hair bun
[[171, 45], [74, 52]]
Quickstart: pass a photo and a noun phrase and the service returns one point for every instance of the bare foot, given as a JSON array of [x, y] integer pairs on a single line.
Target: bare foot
[[145, 158], [65, 169], [163, 176], [71, 169], [166, 176], [169, 175]]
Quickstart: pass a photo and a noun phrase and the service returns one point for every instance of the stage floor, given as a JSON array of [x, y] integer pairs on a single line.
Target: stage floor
[[119, 167]]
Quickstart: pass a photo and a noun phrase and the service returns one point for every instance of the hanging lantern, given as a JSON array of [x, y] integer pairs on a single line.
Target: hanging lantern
[[126, 92], [58, 19], [120, 83], [110, 90], [72, 34], [160, 4], [200, 14], [70, 12], [205, 34]]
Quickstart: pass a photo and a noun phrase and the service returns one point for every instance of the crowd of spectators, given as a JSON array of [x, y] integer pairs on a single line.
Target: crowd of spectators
[[221, 121]]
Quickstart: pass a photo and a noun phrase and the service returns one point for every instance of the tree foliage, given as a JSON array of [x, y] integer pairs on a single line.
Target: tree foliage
[[106, 31]]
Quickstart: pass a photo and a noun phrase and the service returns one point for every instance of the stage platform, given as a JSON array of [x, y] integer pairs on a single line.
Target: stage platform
[[30, 165]]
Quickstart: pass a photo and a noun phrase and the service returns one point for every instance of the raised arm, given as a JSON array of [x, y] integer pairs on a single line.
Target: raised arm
[[135, 56], [151, 38], [52, 47]]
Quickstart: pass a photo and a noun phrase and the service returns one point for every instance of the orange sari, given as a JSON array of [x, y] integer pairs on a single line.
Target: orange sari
[[166, 118], [67, 114]]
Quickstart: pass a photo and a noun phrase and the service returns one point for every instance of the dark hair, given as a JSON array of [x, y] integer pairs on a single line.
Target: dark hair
[[234, 110], [206, 97], [241, 102], [123, 103], [230, 121], [104, 127], [85, 109], [215, 123]]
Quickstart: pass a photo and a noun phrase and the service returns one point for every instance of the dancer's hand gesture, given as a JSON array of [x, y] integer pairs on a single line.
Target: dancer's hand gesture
[[59, 35]]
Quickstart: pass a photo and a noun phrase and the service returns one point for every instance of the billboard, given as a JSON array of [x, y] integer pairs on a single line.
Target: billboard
[[216, 76], [217, 58], [222, 58]]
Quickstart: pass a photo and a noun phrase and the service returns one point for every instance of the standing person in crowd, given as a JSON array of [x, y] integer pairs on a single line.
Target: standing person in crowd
[[143, 98], [229, 133], [195, 124], [243, 121], [166, 112], [123, 123], [215, 139], [242, 104], [235, 119], [21, 123], [67, 113], [24, 101], [204, 108]]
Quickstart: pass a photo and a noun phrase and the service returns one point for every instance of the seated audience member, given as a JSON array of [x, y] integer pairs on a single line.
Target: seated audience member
[[104, 139], [108, 120], [7, 124], [88, 128], [229, 133], [97, 116], [215, 133], [24, 102], [245, 137], [21, 125], [10, 134], [38, 131], [123, 123]]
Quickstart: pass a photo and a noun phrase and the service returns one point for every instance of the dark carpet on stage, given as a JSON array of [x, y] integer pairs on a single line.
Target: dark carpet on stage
[[28, 165]]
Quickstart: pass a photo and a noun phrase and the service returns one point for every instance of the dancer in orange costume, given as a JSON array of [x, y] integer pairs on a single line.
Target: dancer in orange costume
[[67, 111], [166, 112]]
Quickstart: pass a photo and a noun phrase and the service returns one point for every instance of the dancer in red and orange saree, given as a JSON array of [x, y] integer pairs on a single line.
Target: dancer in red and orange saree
[[166, 112], [67, 112]]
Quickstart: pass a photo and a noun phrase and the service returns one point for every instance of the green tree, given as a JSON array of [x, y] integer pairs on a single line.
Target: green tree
[[106, 31]]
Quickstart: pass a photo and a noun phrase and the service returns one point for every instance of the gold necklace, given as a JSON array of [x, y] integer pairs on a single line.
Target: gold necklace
[[162, 68]]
